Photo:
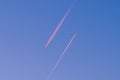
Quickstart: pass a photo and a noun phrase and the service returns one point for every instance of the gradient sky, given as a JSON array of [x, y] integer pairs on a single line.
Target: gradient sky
[[26, 25]]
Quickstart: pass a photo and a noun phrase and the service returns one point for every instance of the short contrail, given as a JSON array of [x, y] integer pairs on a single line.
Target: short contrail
[[60, 58], [57, 28]]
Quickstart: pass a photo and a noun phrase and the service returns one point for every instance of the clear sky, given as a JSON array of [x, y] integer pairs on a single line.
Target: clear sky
[[26, 25]]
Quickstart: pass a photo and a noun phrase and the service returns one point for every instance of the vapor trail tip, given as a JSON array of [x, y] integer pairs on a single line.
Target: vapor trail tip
[[46, 45]]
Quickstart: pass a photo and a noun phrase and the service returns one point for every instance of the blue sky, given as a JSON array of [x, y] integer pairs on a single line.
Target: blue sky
[[26, 25]]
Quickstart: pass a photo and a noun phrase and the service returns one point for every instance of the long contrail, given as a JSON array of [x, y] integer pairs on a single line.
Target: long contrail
[[57, 28], [62, 55]]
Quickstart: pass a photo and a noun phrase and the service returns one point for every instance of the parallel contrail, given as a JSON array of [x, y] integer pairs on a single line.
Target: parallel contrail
[[58, 27], [62, 55]]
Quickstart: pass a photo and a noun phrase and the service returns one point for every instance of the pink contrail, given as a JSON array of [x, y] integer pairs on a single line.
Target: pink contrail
[[62, 55], [58, 27]]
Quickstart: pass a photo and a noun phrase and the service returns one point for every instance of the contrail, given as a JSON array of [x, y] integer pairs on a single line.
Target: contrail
[[62, 55], [60, 24], [58, 27]]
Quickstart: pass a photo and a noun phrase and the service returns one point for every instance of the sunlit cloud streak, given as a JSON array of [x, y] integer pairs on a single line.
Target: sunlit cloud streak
[[62, 55], [57, 28]]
